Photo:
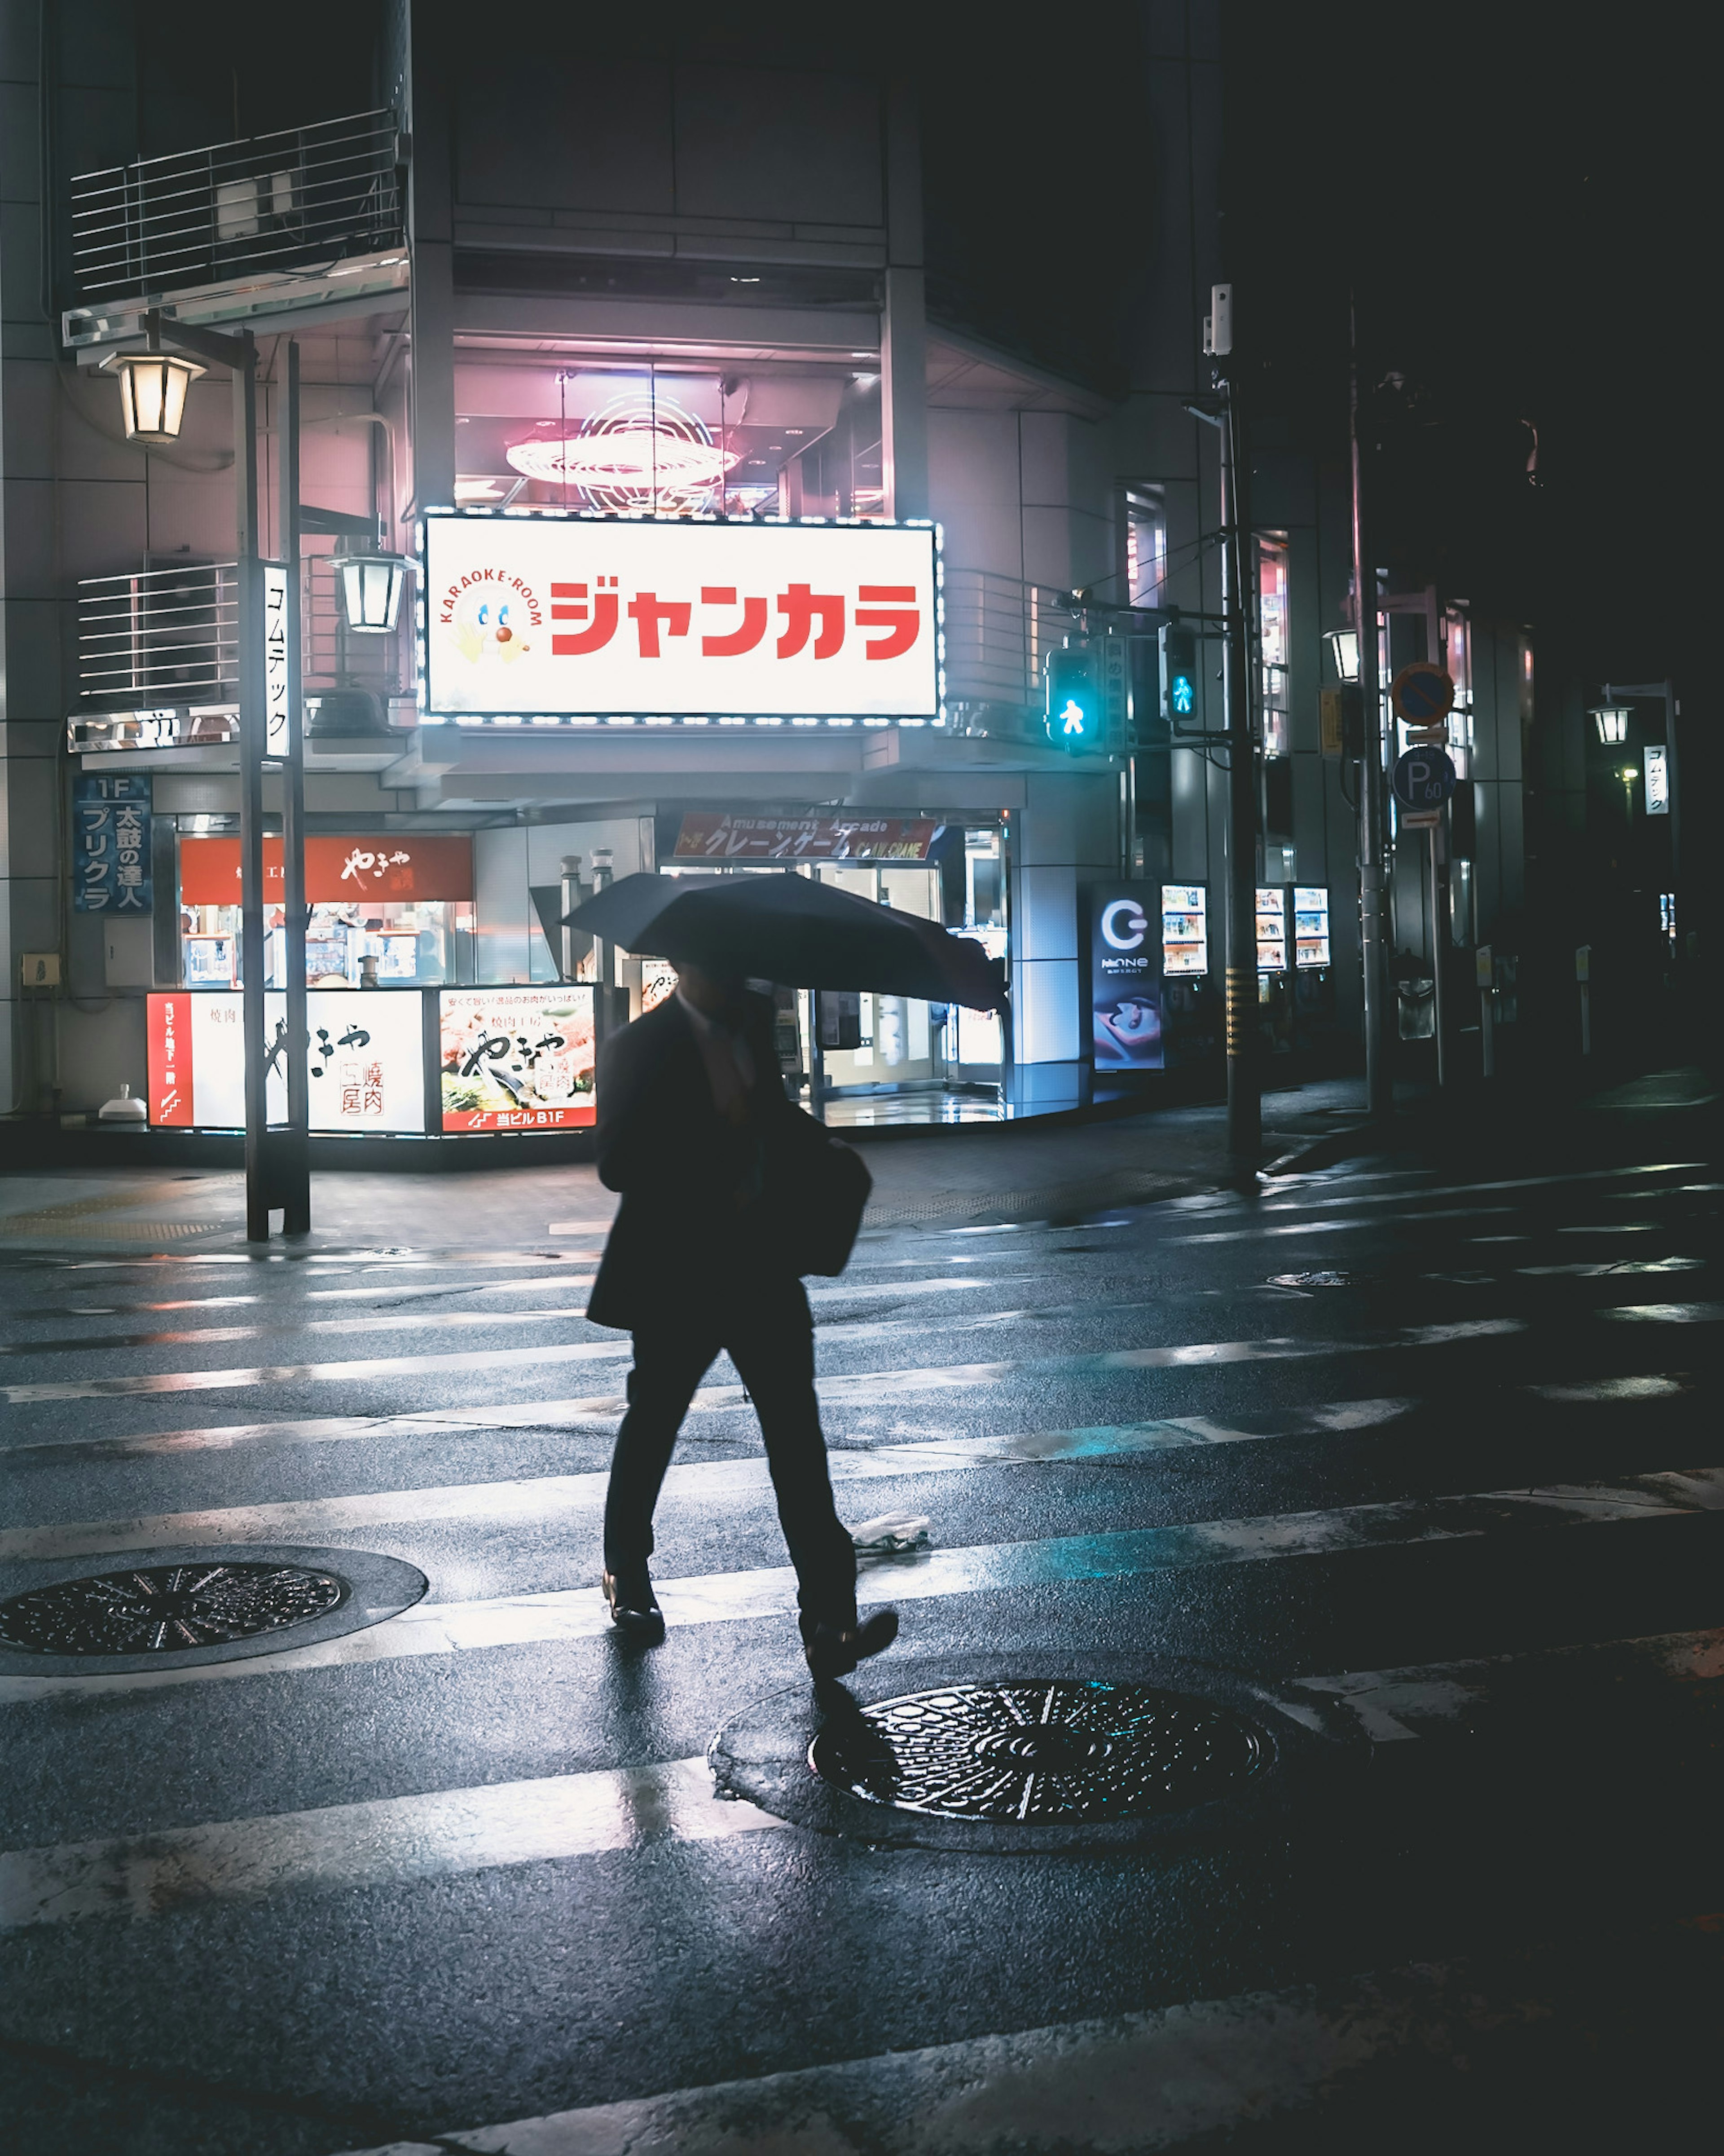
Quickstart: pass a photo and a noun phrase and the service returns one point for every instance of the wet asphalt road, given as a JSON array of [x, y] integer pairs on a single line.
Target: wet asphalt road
[[454, 1868]]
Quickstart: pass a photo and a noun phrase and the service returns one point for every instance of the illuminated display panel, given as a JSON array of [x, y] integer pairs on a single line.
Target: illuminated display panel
[[366, 1070], [1185, 928], [1271, 929], [645, 620], [1311, 925], [516, 1059]]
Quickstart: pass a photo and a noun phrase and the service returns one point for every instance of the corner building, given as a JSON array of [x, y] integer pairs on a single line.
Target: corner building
[[670, 289]]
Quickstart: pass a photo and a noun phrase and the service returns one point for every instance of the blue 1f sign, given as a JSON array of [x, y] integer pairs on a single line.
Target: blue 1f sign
[[277, 710]]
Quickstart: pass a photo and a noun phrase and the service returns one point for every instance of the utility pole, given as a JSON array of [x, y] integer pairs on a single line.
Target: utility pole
[[293, 1147], [253, 674], [1379, 1082], [1244, 1088]]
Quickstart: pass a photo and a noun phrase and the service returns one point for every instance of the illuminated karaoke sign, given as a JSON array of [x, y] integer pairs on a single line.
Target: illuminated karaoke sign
[[637, 620]]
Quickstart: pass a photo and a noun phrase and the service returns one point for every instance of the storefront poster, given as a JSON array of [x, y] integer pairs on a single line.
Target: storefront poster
[[110, 841], [712, 835], [603, 617], [1185, 928], [1125, 978], [366, 1070], [516, 1059], [397, 868]]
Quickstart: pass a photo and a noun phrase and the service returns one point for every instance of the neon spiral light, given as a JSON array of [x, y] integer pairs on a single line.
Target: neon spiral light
[[632, 450]]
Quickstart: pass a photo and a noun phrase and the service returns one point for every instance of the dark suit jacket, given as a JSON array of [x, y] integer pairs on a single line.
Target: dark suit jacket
[[696, 1215]]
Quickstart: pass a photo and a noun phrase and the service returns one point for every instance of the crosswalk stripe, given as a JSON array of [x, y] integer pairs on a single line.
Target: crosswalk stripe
[[1191, 1355], [1306, 1227], [441, 1834], [1264, 2066], [849, 1292], [1391, 1706], [544, 1498], [384, 1842], [989, 1568], [297, 1373], [212, 1335]]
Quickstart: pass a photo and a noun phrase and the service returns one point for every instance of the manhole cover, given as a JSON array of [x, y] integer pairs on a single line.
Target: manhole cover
[[165, 1608], [1309, 1280], [1054, 1752]]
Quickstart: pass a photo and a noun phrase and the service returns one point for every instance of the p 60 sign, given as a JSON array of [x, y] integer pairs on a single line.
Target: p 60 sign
[[597, 617]]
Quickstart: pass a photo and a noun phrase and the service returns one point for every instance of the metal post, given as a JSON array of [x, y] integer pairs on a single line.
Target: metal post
[[1244, 1099], [292, 1157], [1438, 997], [1379, 1080], [251, 797], [1485, 969]]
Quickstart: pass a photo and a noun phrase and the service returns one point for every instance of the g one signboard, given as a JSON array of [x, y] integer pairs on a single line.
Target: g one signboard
[[547, 618]]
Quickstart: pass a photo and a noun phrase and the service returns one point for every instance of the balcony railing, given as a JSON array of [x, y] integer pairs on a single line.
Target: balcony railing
[[306, 197], [160, 637], [998, 630]]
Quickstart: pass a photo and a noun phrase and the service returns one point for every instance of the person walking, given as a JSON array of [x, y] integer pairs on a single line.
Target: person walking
[[696, 1132]]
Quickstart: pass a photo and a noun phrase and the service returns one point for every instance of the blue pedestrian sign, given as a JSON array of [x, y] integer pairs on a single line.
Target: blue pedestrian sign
[[1424, 779]]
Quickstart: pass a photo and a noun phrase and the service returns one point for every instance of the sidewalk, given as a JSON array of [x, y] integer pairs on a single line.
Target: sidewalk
[[974, 1175], [961, 1175]]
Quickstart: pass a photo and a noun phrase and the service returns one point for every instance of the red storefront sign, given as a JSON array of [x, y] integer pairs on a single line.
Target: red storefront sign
[[393, 866], [712, 836]]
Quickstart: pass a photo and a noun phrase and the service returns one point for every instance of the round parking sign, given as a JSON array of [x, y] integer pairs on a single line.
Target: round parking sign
[[1424, 778]]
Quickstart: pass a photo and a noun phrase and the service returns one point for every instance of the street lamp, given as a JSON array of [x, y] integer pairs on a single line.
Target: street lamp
[[371, 584], [1344, 649], [1629, 776], [1612, 724], [153, 391]]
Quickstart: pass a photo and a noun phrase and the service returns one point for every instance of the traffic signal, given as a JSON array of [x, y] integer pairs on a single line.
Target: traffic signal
[[1074, 717], [1179, 674]]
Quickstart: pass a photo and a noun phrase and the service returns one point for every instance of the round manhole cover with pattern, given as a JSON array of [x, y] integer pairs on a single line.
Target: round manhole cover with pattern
[[1060, 1751], [166, 1609]]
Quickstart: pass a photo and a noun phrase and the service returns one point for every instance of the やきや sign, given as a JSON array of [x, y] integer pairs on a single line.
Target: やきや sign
[[607, 617]]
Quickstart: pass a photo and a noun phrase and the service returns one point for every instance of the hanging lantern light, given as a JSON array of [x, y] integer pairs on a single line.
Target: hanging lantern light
[[371, 584], [1344, 647], [1612, 724], [153, 393]]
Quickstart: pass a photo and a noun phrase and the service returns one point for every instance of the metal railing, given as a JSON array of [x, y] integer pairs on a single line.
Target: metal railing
[[998, 630], [334, 657], [304, 197], [159, 637]]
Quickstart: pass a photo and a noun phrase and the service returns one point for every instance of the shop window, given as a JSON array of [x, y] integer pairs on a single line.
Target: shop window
[[1146, 546], [1460, 903], [1273, 625], [384, 909], [669, 440], [1458, 659]]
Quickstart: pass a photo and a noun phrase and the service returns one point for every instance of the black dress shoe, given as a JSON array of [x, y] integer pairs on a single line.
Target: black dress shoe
[[833, 1652], [634, 1607]]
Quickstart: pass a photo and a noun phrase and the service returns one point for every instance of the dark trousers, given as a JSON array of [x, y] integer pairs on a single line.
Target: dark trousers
[[765, 1325]]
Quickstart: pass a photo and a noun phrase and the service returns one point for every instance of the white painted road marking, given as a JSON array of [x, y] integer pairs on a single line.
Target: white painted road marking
[[550, 1819], [384, 1842], [1194, 1355], [431, 1627]]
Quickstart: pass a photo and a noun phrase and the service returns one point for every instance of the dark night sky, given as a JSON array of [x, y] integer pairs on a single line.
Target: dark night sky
[[1515, 198]]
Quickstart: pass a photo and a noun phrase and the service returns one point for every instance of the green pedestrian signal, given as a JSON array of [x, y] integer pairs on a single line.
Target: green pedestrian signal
[[1179, 674], [1073, 701]]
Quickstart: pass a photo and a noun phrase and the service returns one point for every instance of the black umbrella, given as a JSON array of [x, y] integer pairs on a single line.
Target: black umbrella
[[790, 929]]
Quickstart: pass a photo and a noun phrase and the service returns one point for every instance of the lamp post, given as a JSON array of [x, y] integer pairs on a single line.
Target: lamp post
[[153, 382], [1612, 722], [1379, 1079]]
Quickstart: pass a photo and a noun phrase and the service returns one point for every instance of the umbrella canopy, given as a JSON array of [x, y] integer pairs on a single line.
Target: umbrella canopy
[[790, 929]]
